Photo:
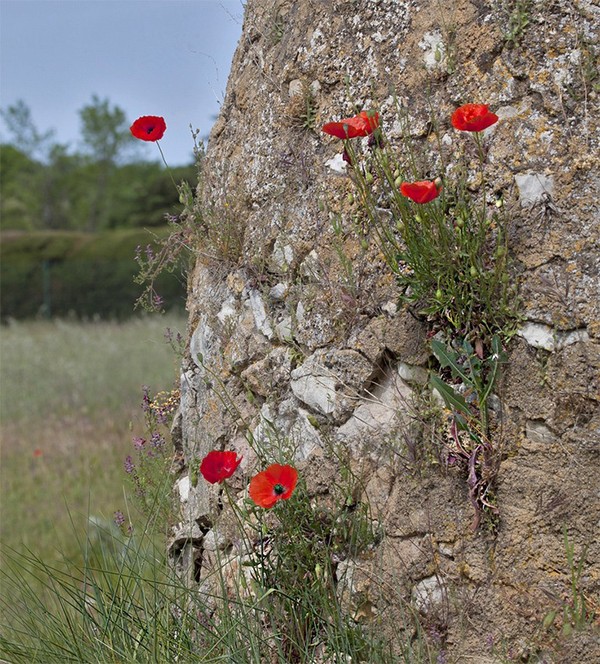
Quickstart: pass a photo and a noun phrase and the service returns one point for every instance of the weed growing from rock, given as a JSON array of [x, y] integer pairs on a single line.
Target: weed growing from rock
[[149, 466], [445, 240]]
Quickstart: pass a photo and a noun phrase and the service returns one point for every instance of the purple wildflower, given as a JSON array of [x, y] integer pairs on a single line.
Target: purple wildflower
[[156, 439], [119, 518], [139, 442], [146, 399], [128, 465]]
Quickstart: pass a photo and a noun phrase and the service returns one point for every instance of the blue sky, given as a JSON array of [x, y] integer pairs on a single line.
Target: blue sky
[[150, 57]]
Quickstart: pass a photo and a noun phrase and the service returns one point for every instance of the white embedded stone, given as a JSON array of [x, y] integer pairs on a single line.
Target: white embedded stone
[[534, 187], [260, 314], [183, 487], [539, 433], [283, 329], [200, 342], [282, 256], [432, 43], [278, 292], [390, 308], [377, 414], [428, 594], [337, 164], [316, 391], [309, 267], [506, 112], [543, 336], [227, 310], [295, 88], [304, 436], [315, 87], [412, 373]]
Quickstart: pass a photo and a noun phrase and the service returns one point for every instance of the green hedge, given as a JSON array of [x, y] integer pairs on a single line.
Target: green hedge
[[59, 273]]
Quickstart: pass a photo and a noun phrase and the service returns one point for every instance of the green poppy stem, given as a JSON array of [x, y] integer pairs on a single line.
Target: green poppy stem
[[167, 166]]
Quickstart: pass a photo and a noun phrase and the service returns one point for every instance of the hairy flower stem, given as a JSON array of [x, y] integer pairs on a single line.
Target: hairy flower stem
[[167, 166]]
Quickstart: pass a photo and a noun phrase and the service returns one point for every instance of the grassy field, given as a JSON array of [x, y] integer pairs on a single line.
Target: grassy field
[[69, 406], [72, 591]]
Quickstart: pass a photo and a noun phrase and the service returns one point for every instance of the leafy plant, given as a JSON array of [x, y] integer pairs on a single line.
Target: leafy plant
[[447, 248], [475, 373], [576, 614], [518, 20]]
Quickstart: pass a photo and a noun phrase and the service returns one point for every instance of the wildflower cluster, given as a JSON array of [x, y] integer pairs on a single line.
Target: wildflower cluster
[[275, 483], [161, 407], [449, 252], [151, 456], [291, 556], [447, 248]]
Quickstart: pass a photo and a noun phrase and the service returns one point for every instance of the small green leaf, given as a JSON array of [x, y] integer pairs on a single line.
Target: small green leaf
[[549, 620], [451, 397], [448, 358]]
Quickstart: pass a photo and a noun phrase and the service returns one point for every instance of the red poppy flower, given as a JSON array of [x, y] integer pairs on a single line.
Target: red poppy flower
[[422, 191], [149, 128], [37, 452], [273, 484], [363, 124], [473, 117], [218, 466]]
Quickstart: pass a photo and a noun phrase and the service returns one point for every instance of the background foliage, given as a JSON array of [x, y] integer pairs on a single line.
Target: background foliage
[[71, 219]]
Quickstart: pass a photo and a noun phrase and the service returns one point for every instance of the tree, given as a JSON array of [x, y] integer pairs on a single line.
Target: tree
[[104, 130], [105, 134], [25, 135]]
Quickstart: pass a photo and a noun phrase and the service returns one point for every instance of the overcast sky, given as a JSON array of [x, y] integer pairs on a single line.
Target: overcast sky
[[150, 57]]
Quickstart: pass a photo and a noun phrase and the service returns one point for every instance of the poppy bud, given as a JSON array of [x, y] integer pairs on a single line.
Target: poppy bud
[[438, 294], [473, 271]]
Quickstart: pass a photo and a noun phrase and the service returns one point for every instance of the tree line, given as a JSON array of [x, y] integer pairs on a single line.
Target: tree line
[[46, 185]]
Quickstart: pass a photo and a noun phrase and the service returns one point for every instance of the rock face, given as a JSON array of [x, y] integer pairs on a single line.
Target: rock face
[[289, 341]]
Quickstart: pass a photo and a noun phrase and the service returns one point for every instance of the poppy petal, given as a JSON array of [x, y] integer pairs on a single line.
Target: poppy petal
[[473, 117], [149, 128], [275, 483], [363, 124], [218, 466], [421, 192]]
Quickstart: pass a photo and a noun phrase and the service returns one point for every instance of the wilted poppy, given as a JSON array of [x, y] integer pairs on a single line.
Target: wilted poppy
[[363, 124], [149, 128], [473, 117], [273, 484], [218, 466], [422, 191]]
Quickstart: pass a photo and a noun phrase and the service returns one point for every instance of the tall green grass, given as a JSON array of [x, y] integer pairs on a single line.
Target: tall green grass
[[69, 406], [76, 588]]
